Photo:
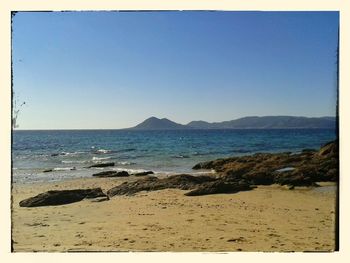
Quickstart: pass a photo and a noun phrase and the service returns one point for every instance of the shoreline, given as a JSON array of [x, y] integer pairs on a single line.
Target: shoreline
[[263, 202], [263, 219]]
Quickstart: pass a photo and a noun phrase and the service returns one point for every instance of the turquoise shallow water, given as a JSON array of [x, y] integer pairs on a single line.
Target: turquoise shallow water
[[161, 151]]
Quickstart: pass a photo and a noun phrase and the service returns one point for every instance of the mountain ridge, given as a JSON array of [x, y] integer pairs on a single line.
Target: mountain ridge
[[249, 122]]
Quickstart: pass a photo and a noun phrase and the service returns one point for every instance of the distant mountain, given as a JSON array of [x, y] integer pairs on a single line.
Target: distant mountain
[[254, 122], [154, 123], [268, 122]]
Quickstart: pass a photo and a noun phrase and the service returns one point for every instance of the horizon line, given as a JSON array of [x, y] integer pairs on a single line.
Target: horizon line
[[130, 128]]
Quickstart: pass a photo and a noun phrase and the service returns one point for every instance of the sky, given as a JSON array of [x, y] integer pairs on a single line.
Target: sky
[[110, 70]]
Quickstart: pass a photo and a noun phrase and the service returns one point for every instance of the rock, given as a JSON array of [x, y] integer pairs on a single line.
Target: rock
[[105, 174], [61, 197], [260, 177], [332, 174], [219, 187], [101, 165], [245, 172], [310, 166], [294, 179], [55, 154], [216, 164], [330, 149], [143, 173], [181, 181], [48, 170], [111, 174], [122, 174]]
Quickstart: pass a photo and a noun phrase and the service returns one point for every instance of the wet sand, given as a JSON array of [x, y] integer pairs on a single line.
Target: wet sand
[[268, 218]]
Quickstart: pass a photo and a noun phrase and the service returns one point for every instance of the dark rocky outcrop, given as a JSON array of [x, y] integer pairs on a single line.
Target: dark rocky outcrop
[[244, 173], [143, 173], [112, 174], [181, 181], [101, 165], [61, 197], [309, 167]]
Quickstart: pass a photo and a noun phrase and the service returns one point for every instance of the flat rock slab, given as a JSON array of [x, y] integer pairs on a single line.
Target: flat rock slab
[[200, 185], [61, 197], [112, 174], [219, 187], [181, 181]]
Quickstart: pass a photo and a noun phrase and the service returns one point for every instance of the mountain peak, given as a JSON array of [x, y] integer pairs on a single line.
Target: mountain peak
[[154, 123]]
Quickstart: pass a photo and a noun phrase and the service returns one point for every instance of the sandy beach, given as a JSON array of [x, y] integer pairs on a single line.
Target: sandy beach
[[268, 218]]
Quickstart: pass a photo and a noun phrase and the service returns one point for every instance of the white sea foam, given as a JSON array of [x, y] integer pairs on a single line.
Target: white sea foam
[[130, 171], [72, 153], [75, 161], [103, 151], [125, 163], [181, 156], [99, 159], [64, 168]]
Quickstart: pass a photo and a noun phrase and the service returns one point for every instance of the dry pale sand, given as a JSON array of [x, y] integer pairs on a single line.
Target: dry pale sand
[[269, 218]]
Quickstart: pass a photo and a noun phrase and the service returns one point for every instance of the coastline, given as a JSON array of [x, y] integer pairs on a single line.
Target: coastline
[[268, 218]]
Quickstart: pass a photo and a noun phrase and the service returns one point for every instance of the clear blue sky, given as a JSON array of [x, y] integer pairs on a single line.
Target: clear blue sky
[[115, 69]]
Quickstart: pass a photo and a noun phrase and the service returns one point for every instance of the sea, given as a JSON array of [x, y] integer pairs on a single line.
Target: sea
[[166, 152]]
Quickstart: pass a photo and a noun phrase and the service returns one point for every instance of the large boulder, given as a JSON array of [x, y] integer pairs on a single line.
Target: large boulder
[[61, 197]]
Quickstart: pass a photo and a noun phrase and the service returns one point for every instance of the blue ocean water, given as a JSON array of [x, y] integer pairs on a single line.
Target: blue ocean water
[[169, 152]]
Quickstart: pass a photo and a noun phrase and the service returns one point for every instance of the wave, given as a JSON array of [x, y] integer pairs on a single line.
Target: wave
[[180, 156], [99, 159], [75, 161], [103, 151], [71, 153], [126, 150], [64, 169], [126, 163]]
